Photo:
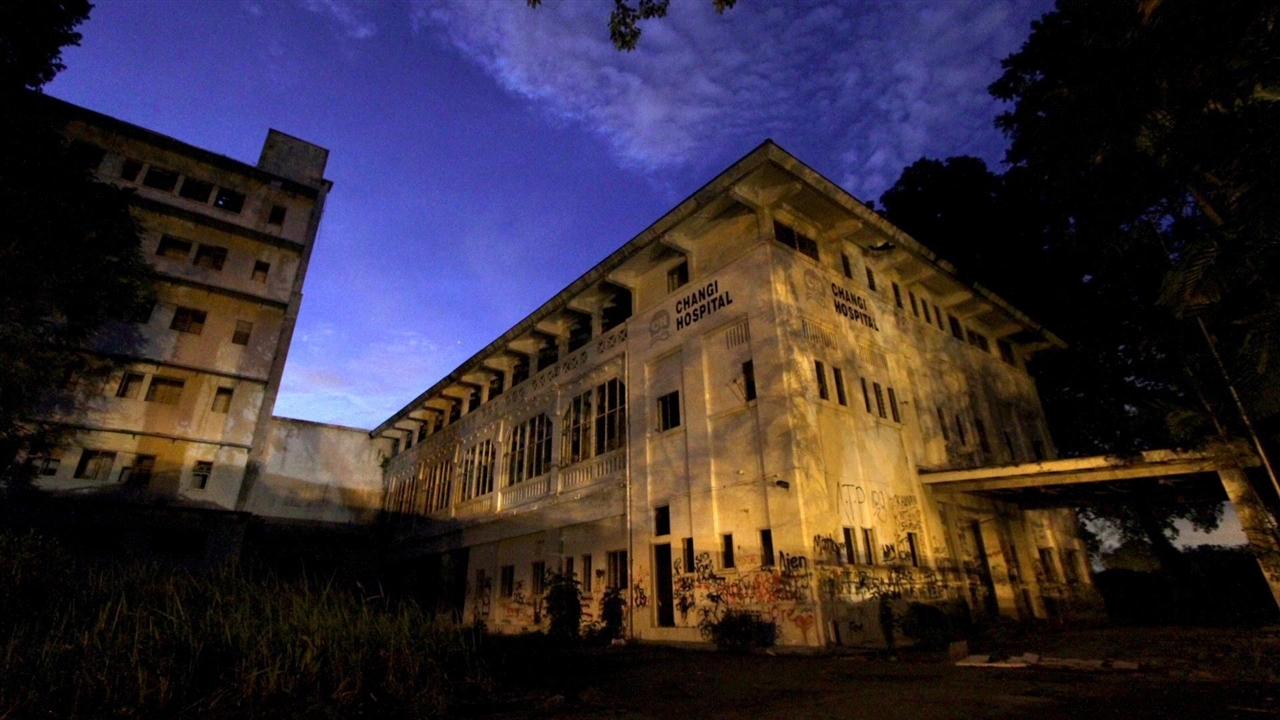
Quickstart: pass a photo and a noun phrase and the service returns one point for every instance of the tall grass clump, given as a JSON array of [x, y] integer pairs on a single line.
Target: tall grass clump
[[150, 641]]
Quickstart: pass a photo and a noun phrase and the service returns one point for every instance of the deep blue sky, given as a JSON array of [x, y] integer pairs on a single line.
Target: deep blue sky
[[484, 154]]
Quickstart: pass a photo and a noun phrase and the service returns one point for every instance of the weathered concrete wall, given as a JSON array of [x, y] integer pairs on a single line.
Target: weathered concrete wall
[[318, 472]]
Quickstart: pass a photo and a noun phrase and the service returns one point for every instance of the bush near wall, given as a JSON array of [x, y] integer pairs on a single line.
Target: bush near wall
[[742, 631], [146, 641]]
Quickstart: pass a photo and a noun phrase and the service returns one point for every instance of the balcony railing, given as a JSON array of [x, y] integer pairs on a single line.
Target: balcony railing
[[474, 507], [590, 471], [524, 492]]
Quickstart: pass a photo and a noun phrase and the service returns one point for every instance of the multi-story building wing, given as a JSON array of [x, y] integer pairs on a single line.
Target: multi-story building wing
[[734, 410], [186, 413]]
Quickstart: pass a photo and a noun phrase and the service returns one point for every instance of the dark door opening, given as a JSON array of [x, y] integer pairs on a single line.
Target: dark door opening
[[664, 590], [989, 597]]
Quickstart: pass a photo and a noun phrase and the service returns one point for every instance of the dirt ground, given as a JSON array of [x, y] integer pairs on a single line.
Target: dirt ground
[[1183, 673]]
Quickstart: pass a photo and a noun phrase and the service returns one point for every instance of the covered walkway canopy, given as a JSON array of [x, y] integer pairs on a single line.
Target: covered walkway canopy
[[1050, 477]]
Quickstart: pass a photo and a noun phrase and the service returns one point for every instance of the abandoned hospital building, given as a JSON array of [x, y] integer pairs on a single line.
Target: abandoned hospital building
[[770, 400]]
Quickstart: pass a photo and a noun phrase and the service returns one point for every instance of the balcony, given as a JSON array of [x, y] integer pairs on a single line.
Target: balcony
[[524, 492], [588, 472]]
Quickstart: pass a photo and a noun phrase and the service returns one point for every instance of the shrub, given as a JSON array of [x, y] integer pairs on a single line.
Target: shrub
[[612, 611], [936, 625], [564, 605], [742, 631]]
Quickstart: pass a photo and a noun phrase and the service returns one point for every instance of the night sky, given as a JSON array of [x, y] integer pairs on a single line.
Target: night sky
[[485, 154]]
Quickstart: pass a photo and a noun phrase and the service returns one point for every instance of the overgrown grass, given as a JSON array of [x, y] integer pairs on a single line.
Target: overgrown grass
[[148, 641]]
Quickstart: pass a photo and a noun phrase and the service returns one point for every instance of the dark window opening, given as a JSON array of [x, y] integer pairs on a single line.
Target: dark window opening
[[260, 270], [548, 354], [937, 316], [160, 179], [455, 410], [913, 547], [222, 400], [915, 307], [688, 555], [669, 411], [507, 581], [166, 391], [893, 406], [960, 431], [616, 575], [749, 380], [866, 396], [982, 435], [678, 276], [662, 520], [869, 545], [821, 371], [473, 400], [129, 171], [243, 330], [496, 384], [95, 465], [188, 320], [130, 386], [871, 279], [520, 371], [879, 400], [1037, 449], [142, 312], [276, 216], [850, 550], [86, 155], [139, 474], [956, 331], [1048, 566], [942, 425], [897, 295], [766, 548], [580, 332], [927, 317], [587, 580], [841, 397], [616, 310], [45, 466], [726, 549], [229, 200], [197, 190], [1006, 352], [173, 248], [1008, 443], [210, 256], [538, 578], [795, 240], [846, 265]]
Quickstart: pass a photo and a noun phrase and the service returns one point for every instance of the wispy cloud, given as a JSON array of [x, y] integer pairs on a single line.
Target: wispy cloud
[[875, 85], [350, 15]]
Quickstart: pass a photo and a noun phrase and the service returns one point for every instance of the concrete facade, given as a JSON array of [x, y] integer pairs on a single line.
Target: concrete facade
[[733, 411], [186, 416]]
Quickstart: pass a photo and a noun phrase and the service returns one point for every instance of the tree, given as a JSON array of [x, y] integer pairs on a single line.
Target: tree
[[624, 21], [70, 256]]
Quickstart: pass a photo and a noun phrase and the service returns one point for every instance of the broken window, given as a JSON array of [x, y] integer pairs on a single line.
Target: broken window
[[222, 400], [662, 520], [797, 241], [871, 279], [506, 581], [188, 320], [276, 217], [95, 465], [669, 411], [260, 270], [586, 574], [210, 256], [244, 329], [749, 381], [879, 400], [846, 265], [956, 331], [726, 551], [173, 248], [130, 386], [160, 179], [678, 276], [164, 390], [839, 379], [529, 449], [538, 578], [616, 576], [820, 370], [139, 475], [229, 200], [766, 548], [197, 190], [897, 295], [893, 406], [129, 171], [200, 474]]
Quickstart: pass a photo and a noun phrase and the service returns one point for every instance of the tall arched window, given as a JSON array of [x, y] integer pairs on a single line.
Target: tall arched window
[[595, 422], [529, 451]]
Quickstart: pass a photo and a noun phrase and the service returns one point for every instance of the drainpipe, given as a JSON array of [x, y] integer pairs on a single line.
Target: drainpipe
[[626, 474]]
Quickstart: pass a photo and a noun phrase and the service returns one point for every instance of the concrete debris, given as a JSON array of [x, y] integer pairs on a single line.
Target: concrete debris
[[1053, 663]]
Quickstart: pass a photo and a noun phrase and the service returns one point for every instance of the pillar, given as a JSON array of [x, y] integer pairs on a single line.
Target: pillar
[[1258, 526]]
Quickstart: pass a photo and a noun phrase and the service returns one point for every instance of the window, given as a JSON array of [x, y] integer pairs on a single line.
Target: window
[[766, 548], [678, 276], [520, 371], [850, 550], [871, 279], [1047, 565], [841, 397], [580, 332], [981, 429], [821, 371], [529, 450], [687, 544], [846, 265], [95, 465], [130, 386], [977, 340], [893, 406], [548, 354], [942, 425], [1070, 566], [577, 429], [163, 390], [173, 248], [139, 475], [956, 331], [222, 400], [915, 308], [1037, 449], [197, 190], [568, 570], [439, 482], [960, 431], [616, 309], [869, 545], [1006, 352], [86, 155], [229, 200], [244, 329], [795, 240], [477, 470], [455, 410], [662, 520], [669, 411], [160, 179], [879, 399], [937, 315], [749, 380], [538, 578], [496, 383], [866, 396], [897, 295], [1008, 443], [927, 317], [210, 256], [586, 573], [726, 551], [617, 569], [260, 270], [611, 416], [507, 581], [276, 217], [913, 547], [129, 171], [473, 400]]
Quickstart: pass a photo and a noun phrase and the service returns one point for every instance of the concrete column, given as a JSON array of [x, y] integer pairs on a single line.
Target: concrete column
[[1257, 524], [997, 564]]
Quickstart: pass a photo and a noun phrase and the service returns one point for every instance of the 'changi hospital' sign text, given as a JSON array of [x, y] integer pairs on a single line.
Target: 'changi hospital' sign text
[[853, 307], [703, 302]]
